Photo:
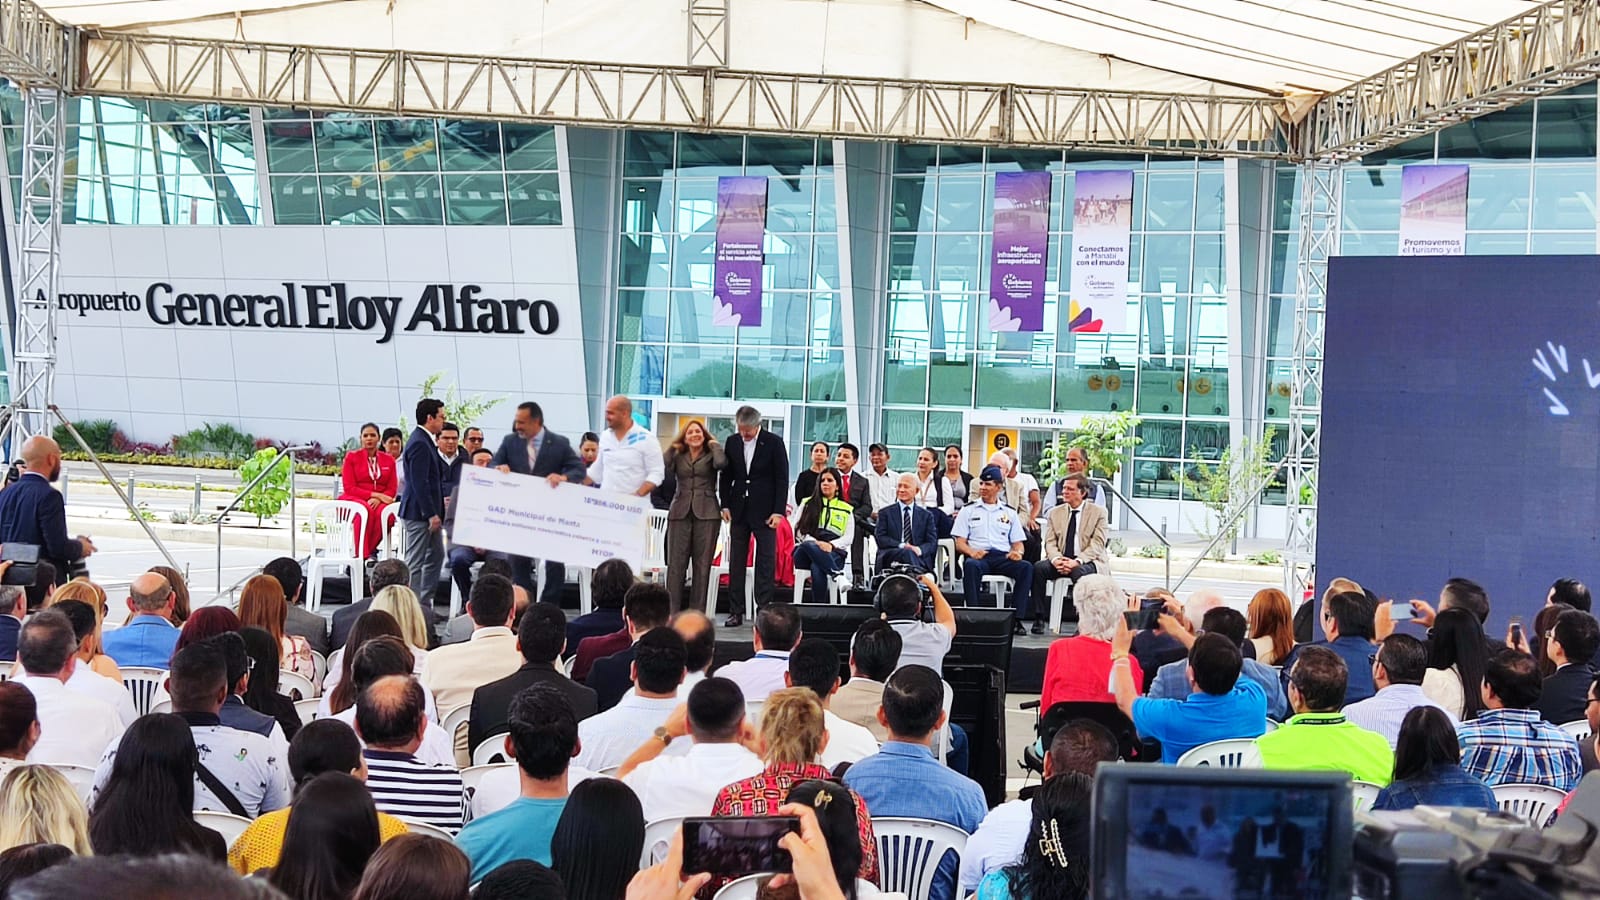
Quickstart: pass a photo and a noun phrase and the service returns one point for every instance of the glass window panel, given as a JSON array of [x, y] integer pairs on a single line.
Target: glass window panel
[[825, 378], [640, 369], [786, 156], [917, 158], [344, 143], [912, 204], [1497, 197], [827, 321], [475, 199], [911, 262], [642, 316], [950, 379], [1210, 276], [697, 206], [1208, 388], [826, 423], [468, 145], [407, 145], [690, 320], [1014, 381], [1167, 264], [1371, 199], [534, 198], [711, 154], [827, 218], [295, 200], [960, 158], [788, 262], [1566, 128], [648, 153], [1581, 242], [1169, 201], [958, 261], [903, 428], [1415, 150], [1372, 244], [1161, 387], [785, 321], [646, 206], [412, 200], [351, 200], [1564, 197], [1507, 134], [824, 155], [1489, 244], [646, 260], [289, 145], [1280, 385], [529, 146], [1285, 260], [1206, 439], [700, 372], [789, 204], [905, 378], [766, 372], [961, 203], [1210, 201], [944, 428], [825, 271], [1009, 159]]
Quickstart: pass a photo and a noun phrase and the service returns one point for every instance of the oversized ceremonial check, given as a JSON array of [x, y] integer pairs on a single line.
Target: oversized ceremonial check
[[525, 516]]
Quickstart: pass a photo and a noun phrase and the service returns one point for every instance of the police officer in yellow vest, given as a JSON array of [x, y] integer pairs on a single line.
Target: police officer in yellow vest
[[822, 533]]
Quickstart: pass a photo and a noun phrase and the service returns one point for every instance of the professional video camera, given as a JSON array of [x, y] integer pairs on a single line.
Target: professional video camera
[[903, 570], [1436, 852]]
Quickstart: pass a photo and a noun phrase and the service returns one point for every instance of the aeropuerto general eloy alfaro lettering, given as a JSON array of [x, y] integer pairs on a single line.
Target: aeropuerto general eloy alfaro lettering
[[330, 305]]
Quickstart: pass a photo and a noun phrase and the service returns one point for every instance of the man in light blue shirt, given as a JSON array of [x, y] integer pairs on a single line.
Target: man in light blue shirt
[[1172, 680], [990, 535], [148, 637], [904, 779], [1397, 669], [1221, 705], [543, 738]]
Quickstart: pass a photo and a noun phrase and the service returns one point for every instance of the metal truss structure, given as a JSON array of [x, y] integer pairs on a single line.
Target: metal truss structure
[[708, 33], [33, 350]]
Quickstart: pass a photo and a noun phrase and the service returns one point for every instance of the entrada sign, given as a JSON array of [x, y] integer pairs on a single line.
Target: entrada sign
[[330, 305]]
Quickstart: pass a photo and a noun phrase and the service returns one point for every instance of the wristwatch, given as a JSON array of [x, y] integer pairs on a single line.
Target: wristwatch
[[663, 736]]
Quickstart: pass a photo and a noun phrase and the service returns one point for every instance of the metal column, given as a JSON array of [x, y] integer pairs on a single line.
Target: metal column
[[33, 350]]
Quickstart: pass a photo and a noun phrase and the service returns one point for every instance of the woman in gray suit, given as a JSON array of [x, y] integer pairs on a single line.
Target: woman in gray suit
[[694, 518]]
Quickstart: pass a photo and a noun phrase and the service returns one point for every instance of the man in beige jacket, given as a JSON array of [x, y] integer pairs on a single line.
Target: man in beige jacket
[[1074, 546]]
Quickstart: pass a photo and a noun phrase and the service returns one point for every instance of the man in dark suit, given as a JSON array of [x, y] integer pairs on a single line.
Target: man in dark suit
[[422, 502], [32, 512], [14, 601], [858, 493], [755, 494], [450, 452], [647, 606], [532, 449], [906, 531], [387, 572], [541, 636], [301, 621], [1572, 643]]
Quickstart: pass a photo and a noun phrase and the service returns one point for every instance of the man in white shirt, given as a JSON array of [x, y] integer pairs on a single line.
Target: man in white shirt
[[385, 656], [238, 771], [881, 479], [700, 643], [452, 672], [85, 680], [630, 460], [1398, 666], [777, 631], [74, 728], [1079, 746], [687, 785], [814, 664], [606, 739]]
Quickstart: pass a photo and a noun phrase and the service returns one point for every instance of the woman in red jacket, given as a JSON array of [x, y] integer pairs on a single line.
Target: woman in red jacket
[[369, 478]]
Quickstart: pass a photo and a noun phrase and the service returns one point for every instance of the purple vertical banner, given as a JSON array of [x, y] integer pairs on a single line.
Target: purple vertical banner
[[1021, 240], [741, 231]]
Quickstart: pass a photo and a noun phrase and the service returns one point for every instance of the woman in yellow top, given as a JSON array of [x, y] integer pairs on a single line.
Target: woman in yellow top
[[326, 745], [822, 533]]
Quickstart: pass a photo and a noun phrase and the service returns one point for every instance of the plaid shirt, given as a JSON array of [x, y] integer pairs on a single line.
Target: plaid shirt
[[1515, 746], [761, 795]]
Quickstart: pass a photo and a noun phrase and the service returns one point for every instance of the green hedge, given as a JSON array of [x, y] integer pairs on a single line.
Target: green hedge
[[189, 462]]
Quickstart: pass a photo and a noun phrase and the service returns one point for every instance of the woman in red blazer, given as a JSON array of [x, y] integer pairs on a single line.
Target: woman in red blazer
[[369, 478]]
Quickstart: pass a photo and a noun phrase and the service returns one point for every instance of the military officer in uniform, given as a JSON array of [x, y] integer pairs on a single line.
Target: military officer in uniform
[[990, 536]]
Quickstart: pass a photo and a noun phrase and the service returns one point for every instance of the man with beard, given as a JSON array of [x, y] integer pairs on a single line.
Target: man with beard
[[32, 512]]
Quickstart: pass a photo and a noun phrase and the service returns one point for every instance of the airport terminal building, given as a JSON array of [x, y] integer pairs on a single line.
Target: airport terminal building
[[298, 274]]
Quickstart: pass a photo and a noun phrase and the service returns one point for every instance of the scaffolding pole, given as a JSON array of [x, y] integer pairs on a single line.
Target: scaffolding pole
[[33, 333]]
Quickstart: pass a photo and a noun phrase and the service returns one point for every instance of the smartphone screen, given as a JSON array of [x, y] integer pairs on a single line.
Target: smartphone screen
[[734, 846], [1140, 619], [1401, 611]]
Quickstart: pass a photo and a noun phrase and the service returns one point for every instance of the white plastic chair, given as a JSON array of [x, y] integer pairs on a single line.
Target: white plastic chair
[[1579, 729], [472, 776], [1534, 802], [334, 528], [909, 851], [164, 706], [80, 777], [319, 669], [752, 712], [610, 772], [1233, 753], [803, 576], [148, 686], [1058, 601], [655, 549], [490, 750], [1363, 794], [427, 828], [585, 578], [226, 824], [657, 835], [940, 745], [455, 720], [392, 541], [947, 563], [307, 709], [6, 666], [289, 682], [999, 585], [746, 888], [719, 568], [568, 663]]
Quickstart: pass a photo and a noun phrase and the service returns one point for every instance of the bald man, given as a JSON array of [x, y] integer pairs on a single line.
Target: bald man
[[149, 636], [32, 512], [630, 460], [700, 639]]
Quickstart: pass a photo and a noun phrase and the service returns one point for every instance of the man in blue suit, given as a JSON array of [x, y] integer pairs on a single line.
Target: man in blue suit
[[532, 449], [32, 512], [906, 532], [422, 502]]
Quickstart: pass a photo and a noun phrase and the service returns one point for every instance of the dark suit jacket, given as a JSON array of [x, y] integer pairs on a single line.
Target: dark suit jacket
[[611, 677], [423, 497], [345, 619], [309, 625], [1566, 693], [593, 649], [924, 533], [595, 624], [490, 702], [751, 496], [859, 495], [555, 455], [32, 512], [10, 627]]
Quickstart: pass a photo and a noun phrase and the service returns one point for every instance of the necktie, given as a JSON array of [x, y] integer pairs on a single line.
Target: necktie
[[844, 487], [1072, 534], [905, 526], [533, 453]]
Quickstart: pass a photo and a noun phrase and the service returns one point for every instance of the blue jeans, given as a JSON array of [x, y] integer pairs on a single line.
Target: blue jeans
[[823, 566], [959, 758]]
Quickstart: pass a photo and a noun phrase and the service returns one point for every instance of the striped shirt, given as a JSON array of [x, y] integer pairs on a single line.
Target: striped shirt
[[403, 787]]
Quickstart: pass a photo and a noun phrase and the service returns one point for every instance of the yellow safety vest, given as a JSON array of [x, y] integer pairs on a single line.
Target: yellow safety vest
[[835, 516]]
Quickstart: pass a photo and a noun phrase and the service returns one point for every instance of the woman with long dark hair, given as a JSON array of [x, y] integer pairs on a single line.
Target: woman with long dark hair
[[419, 867], [838, 820], [1427, 767], [340, 693], [598, 840], [333, 831], [369, 478], [822, 530], [1055, 859], [262, 693], [147, 805], [1457, 657], [694, 518]]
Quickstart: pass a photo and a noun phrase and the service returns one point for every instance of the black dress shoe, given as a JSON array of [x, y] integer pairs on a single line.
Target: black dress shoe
[[1039, 626], [734, 621], [1017, 629]]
